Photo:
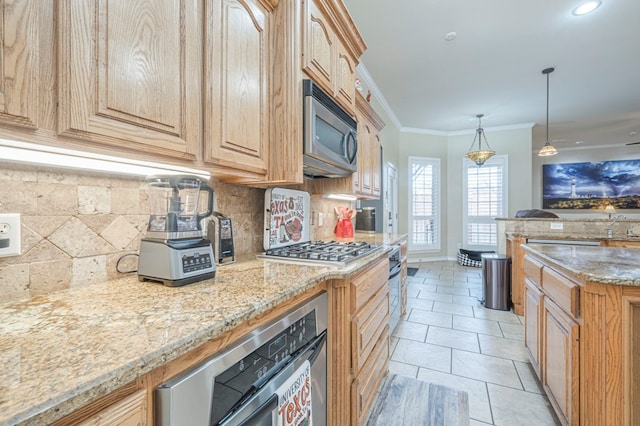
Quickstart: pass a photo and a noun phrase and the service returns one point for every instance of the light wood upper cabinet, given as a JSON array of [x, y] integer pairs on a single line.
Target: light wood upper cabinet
[[331, 48], [129, 74], [319, 47], [19, 62], [369, 146], [365, 154], [376, 166], [237, 69], [345, 88]]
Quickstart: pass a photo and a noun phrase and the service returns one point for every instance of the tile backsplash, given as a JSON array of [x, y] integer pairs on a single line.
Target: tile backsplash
[[76, 225]]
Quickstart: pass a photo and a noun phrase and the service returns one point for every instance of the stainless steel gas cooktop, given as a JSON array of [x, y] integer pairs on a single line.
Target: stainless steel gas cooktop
[[322, 252]]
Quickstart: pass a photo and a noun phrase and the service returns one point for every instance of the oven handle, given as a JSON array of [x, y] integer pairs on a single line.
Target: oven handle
[[315, 346], [395, 270]]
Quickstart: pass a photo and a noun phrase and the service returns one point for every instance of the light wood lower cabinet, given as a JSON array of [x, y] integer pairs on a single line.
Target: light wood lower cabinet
[[361, 306], [533, 323], [583, 339], [130, 411], [367, 382], [561, 362]]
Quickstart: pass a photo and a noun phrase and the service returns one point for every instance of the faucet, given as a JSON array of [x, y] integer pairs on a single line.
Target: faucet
[[610, 227]]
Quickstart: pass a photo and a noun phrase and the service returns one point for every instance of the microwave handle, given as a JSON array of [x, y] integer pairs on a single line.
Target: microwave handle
[[351, 146]]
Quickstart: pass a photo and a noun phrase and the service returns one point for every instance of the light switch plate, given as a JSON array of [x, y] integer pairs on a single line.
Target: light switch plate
[[557, 225], [10, 234]]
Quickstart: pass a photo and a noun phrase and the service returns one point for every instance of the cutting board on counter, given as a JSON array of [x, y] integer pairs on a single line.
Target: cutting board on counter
[[287, 217]]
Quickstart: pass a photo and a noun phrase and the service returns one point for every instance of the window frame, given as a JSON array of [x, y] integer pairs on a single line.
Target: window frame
[[502, 160], [436, 245]]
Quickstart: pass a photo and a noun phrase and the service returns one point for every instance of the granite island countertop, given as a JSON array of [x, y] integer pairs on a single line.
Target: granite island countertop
[[577, 229], [61, 351], [604, 265]]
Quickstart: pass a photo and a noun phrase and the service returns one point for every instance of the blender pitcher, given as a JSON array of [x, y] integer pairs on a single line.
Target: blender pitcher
[[174, 206]]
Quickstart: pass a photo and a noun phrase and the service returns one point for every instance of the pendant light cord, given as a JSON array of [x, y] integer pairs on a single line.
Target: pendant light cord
[[548, 71]]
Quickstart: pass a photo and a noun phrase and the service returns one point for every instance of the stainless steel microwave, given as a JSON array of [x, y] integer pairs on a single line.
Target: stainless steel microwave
[[330, 136]]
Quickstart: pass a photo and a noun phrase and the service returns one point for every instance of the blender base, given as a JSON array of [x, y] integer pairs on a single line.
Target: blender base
[[175, 263]]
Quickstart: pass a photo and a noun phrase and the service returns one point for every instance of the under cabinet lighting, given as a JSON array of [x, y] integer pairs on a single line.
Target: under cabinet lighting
[[29, 153], [343, 197]]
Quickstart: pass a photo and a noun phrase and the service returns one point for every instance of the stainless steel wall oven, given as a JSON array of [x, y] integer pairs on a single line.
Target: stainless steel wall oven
[[276, 374]]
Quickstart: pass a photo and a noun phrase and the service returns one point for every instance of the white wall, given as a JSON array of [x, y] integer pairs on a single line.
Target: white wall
[[421, 145], [516, 144]]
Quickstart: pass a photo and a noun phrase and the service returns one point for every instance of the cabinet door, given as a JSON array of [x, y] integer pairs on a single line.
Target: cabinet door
[[561, 362], [236, 120], [365, 156], [532, 323], [345, 81], [130, 74], [19, 62], [318, 48], [376, 166]]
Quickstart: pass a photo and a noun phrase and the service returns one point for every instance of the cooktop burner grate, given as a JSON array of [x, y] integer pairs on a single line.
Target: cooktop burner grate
[[322, 252]]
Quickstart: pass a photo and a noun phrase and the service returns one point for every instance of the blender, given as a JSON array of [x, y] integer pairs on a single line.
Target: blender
[[174, 250]]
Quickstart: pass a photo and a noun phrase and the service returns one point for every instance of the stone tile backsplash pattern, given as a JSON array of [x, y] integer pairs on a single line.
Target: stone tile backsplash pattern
[[76, 225]]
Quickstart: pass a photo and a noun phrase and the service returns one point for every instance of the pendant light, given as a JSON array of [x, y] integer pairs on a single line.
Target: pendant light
[[548, 149], [480, 156]]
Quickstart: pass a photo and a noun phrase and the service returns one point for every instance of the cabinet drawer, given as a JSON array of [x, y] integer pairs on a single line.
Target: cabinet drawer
[[366, 384], [562, 291], [533, 270], [367, 284], [367, 326]]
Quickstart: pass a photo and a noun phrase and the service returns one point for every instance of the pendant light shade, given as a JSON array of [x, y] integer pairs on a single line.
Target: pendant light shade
[[548, 149], [480, 155]]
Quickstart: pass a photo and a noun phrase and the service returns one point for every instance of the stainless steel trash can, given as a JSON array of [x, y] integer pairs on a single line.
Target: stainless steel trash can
[[496, 281]]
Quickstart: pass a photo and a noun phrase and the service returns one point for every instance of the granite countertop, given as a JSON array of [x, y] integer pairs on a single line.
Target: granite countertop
[[60, 351], [604, 265]]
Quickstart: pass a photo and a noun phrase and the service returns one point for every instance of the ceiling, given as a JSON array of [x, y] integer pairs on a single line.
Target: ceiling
[[494, 66]]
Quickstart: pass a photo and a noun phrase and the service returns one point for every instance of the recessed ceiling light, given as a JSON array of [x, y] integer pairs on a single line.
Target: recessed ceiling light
[[450, 36], [586, 7]]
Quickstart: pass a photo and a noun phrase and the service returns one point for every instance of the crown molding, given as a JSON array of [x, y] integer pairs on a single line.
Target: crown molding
[[375, 91]]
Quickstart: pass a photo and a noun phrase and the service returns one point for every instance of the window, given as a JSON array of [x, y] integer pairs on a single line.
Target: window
[[485, 198], [424, 203]]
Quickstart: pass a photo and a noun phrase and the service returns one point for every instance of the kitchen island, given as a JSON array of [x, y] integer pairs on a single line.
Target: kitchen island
[[65, 350], [582, 330], [514, 232]]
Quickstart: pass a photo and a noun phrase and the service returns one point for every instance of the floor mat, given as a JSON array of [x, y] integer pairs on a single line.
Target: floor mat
[[405, 401], [411, 271]]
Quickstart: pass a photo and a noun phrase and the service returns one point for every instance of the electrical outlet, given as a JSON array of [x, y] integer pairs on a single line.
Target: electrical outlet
[[9, 234]]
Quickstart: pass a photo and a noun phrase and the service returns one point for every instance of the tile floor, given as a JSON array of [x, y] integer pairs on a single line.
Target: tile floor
[[449, 338]]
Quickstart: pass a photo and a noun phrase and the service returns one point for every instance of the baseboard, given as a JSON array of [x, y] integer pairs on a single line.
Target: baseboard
[[430, 259]]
